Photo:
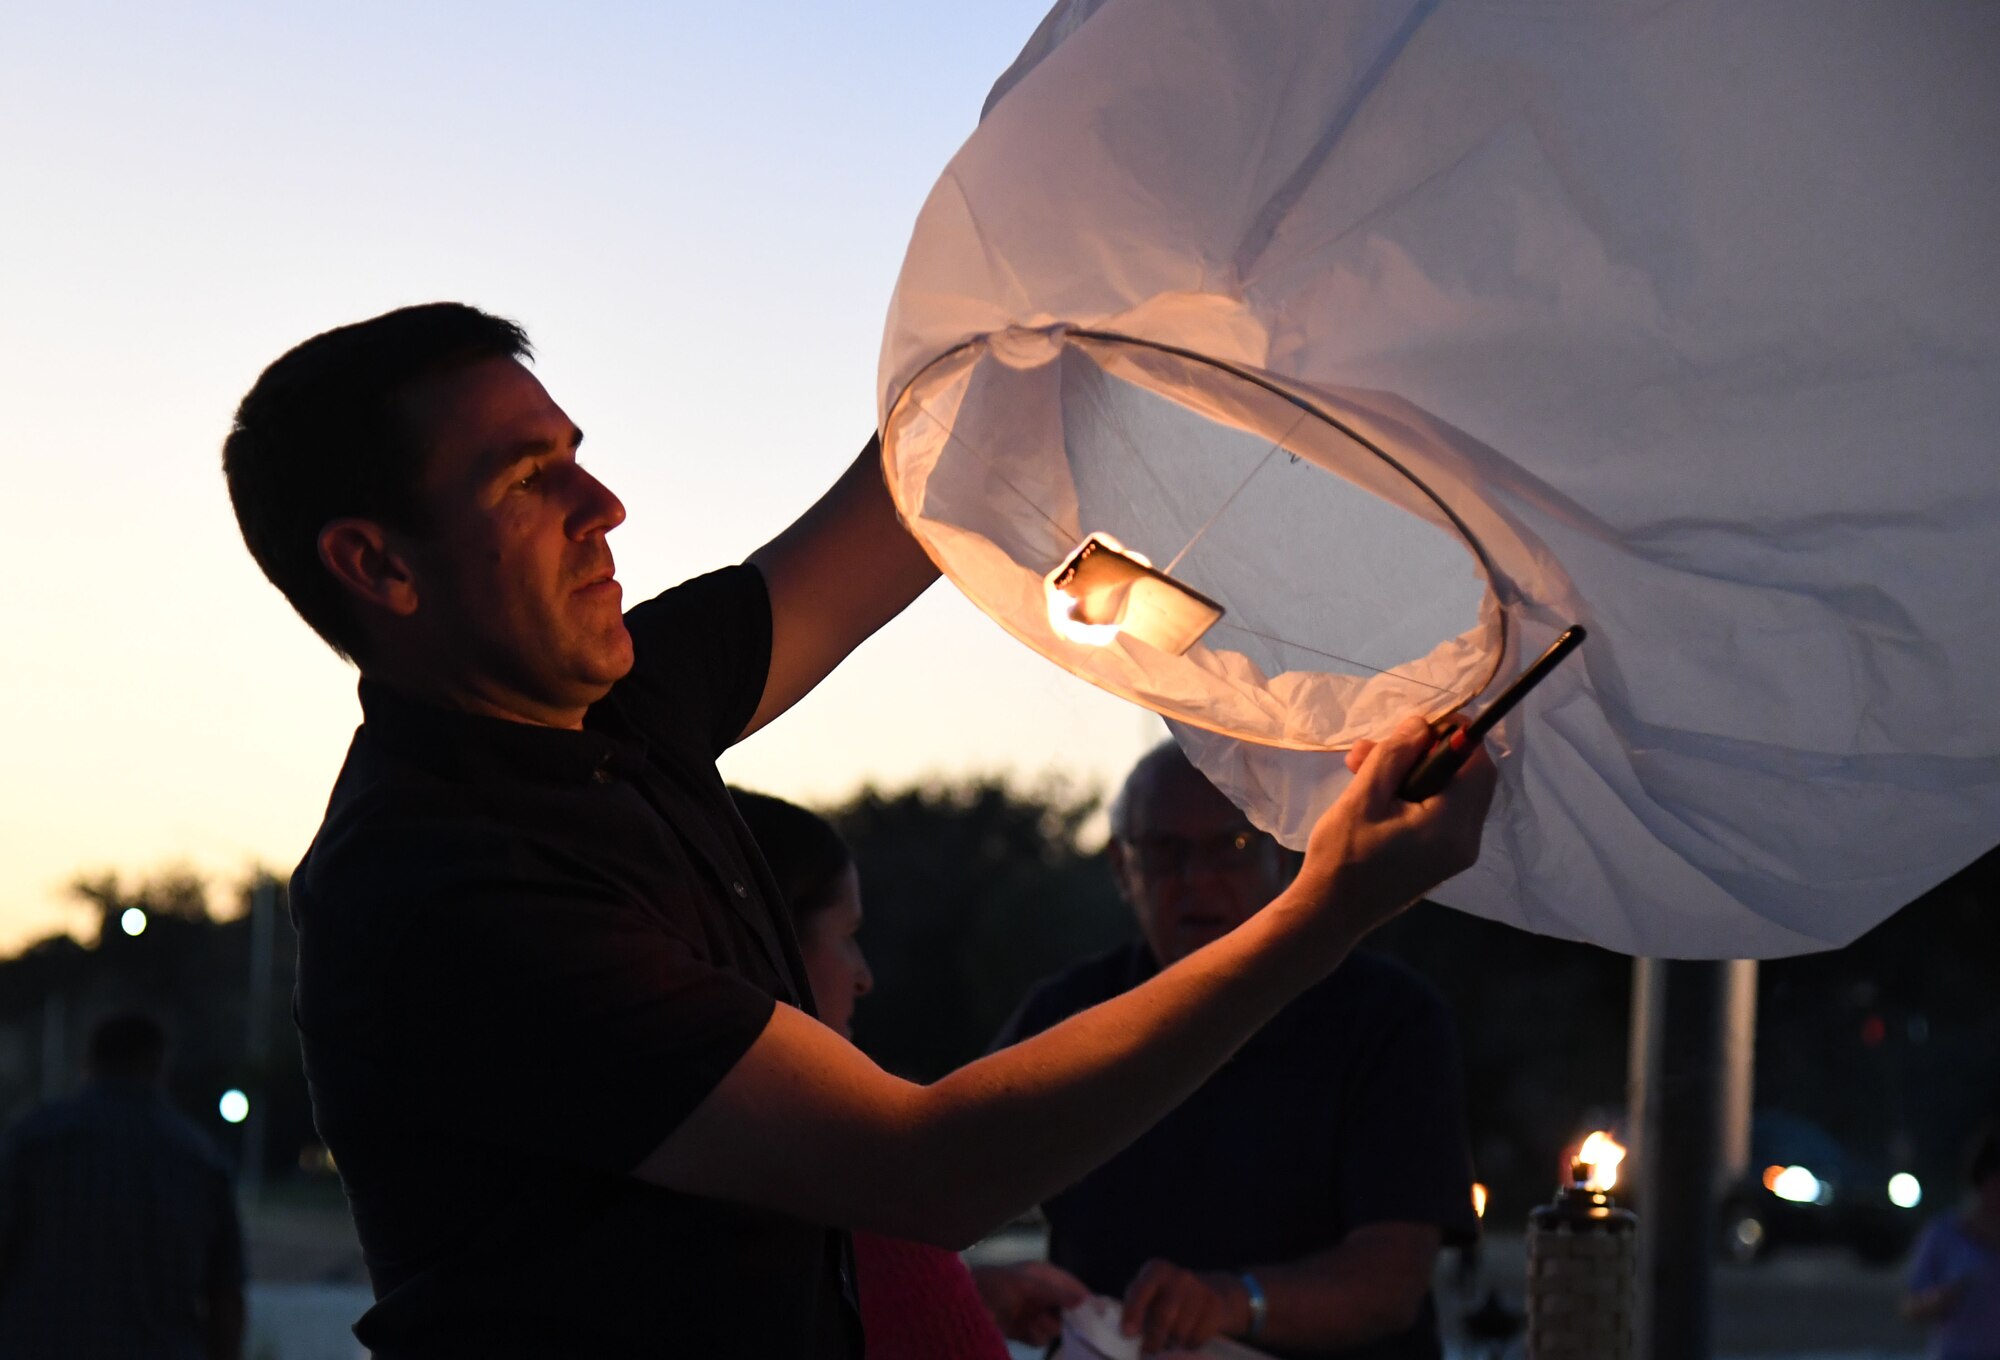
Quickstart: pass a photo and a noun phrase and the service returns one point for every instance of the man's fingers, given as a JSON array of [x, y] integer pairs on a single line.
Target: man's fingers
[[1139, 1296], [1357, 754], [1161, 1319], [1184, 1312], [1392, 759], [1187, 1326]]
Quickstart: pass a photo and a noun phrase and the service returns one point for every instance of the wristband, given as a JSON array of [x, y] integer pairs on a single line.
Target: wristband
[[1259, 1306]]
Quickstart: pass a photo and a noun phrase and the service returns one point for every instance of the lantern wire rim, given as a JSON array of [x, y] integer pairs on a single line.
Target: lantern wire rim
[[1307, 407]]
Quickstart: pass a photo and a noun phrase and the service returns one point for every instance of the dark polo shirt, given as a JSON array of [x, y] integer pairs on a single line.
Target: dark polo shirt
[[1345, 1110], [525, 955]]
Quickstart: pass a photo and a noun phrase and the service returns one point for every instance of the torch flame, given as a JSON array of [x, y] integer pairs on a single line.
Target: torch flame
[[1478, 1200], [1602, 1153]]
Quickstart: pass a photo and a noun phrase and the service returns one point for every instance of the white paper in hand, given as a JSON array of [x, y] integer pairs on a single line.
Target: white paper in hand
[[1091, 1332]]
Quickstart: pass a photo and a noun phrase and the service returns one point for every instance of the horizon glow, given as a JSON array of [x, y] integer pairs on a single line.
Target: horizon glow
[[697, 213]]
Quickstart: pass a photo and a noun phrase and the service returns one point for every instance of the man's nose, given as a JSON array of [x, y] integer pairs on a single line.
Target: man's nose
[[596, 510]]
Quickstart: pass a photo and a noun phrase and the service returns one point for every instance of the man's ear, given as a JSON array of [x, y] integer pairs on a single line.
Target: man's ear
[[361, 557]]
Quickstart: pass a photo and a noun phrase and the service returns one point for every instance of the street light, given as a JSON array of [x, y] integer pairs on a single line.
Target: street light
[[234, 1106]]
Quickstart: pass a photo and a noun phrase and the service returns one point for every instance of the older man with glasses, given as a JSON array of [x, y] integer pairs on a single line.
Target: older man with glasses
[[1298, 1200]]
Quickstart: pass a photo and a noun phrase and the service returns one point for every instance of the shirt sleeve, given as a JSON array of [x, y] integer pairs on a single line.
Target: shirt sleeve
[[1404, 1156], [701, 656], [536, 1007]]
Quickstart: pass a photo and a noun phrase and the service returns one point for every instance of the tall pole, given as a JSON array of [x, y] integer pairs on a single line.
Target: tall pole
[[1739, 1069], [1690, 1115]]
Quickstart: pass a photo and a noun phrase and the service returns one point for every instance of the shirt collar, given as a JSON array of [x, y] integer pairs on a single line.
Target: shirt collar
[[463, 745]]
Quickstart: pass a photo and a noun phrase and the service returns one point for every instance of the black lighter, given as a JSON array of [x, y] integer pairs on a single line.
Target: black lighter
[[1454, 747]]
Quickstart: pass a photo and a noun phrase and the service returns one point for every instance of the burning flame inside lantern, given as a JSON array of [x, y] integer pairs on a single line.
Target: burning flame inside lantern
[[1601, 1153], [1076, 613], [1478, 1200], [1105, 589]]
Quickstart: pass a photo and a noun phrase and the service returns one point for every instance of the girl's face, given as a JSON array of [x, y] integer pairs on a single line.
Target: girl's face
[[834, 964]]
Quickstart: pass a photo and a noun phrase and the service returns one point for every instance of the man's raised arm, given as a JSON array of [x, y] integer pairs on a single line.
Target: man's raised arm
[[805, 1124], [845, 568]]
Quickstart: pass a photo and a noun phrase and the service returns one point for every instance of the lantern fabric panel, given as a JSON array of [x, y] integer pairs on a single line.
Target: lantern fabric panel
[[1677, 321]]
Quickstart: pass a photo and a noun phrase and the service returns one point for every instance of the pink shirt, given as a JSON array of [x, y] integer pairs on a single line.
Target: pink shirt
[[918, 1302]]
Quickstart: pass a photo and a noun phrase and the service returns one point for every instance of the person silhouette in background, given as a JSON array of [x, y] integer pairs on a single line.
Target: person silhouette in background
[[918, 1302], [118, 1228], [1954, 1282]]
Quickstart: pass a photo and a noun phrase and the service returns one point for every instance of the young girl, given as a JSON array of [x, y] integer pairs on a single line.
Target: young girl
[[918, 1302]]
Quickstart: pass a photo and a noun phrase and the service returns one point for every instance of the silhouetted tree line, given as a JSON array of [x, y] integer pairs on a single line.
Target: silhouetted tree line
[[976, 889]]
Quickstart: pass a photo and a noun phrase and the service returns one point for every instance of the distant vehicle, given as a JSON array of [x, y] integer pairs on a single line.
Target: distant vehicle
[[1803, 1188]]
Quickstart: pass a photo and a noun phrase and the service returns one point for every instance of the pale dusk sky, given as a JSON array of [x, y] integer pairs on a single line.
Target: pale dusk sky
[[698, 212]]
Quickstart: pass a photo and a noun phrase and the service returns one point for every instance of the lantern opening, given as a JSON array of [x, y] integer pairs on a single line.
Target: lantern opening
[[1309, 588]]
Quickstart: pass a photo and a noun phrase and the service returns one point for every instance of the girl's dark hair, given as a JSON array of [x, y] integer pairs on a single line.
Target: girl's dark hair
[[321, 436], [805, 853]]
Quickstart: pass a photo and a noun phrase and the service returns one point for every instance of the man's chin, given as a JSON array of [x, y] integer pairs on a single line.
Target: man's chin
[[612, 657]]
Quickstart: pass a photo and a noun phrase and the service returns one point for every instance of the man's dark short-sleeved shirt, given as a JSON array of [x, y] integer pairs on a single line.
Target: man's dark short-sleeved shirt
[[117, 1227], [525, 955], [1345, 1110]]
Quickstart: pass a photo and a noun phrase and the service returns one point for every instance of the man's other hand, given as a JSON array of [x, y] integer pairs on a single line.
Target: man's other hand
[[1027, 1298], [1172, 1309]]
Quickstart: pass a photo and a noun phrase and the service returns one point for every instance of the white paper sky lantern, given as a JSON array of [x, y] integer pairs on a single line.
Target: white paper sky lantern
[[1356, 349]]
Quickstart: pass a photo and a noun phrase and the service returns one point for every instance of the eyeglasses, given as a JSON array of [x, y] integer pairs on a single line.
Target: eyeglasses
[[1162, 856]]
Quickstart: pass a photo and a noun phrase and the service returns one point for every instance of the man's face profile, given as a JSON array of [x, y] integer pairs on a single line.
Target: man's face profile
[[1189, 862], [512, 571]]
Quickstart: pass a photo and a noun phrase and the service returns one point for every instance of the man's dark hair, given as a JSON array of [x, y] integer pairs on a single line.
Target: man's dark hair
[[320, 437], [805, 853], [129, 1045]]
